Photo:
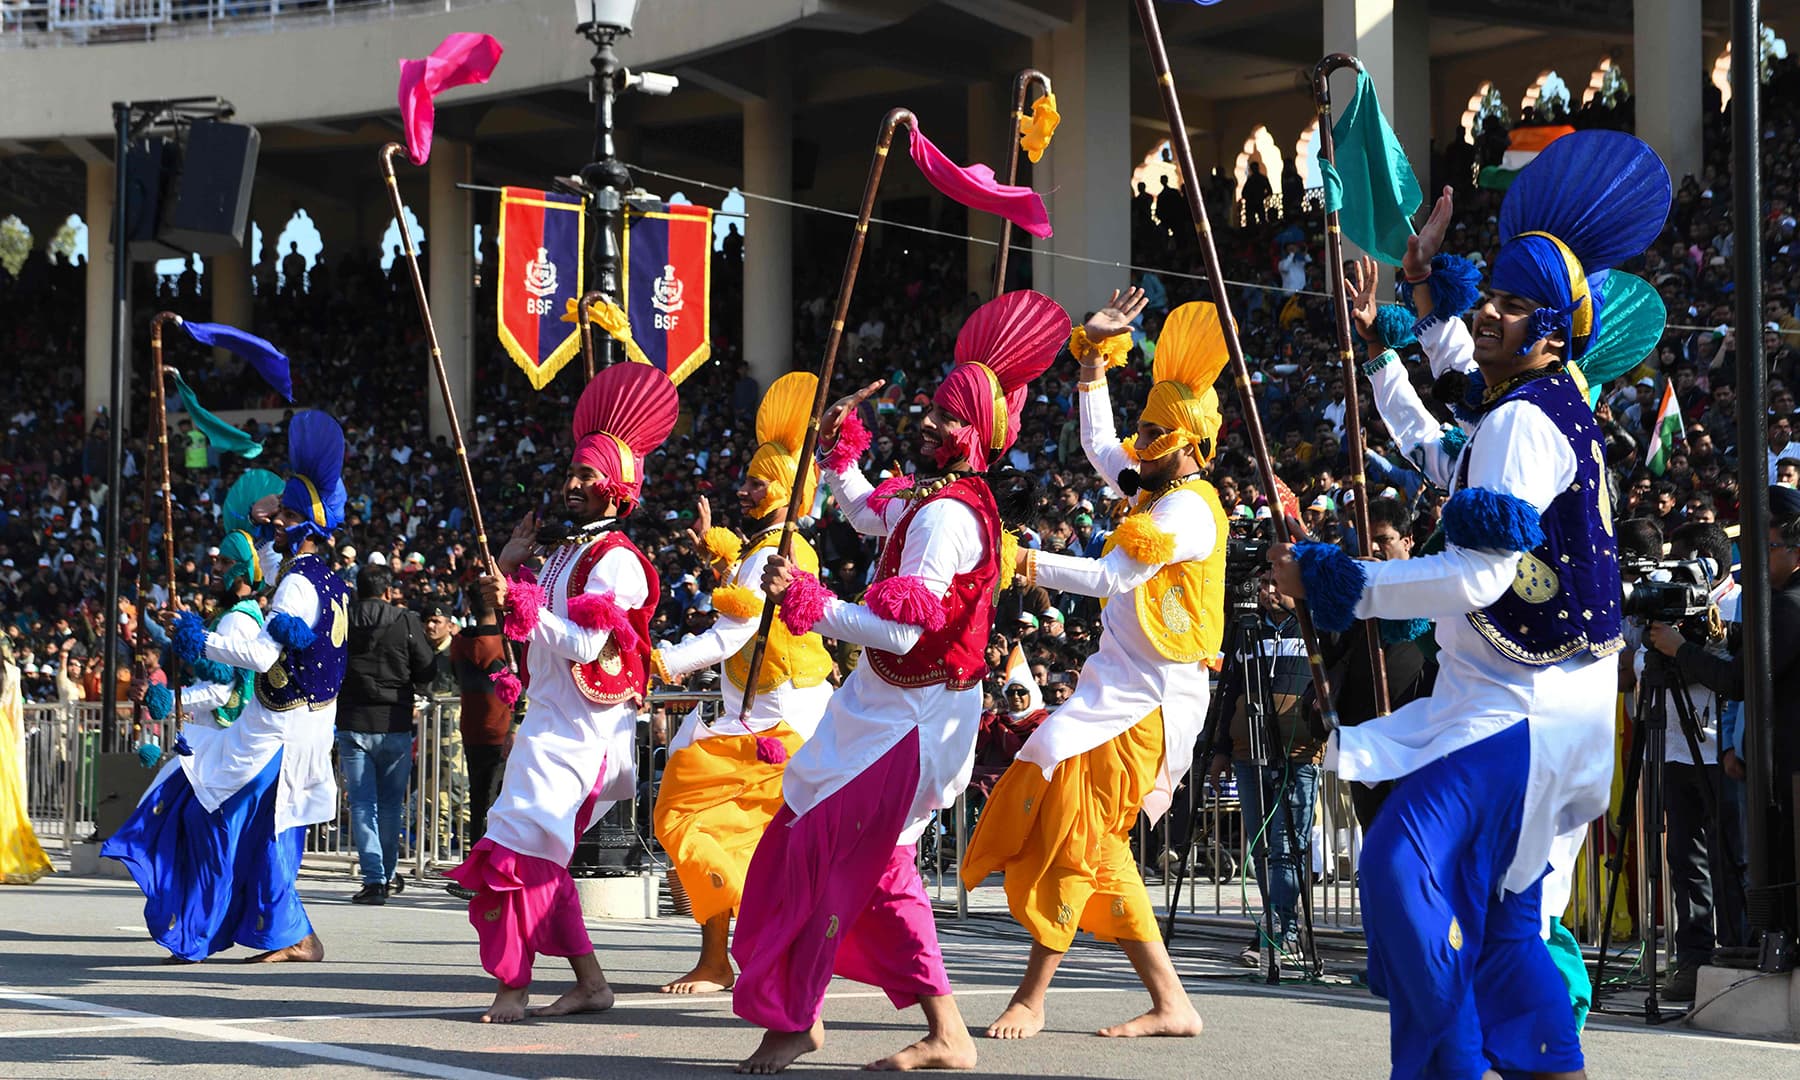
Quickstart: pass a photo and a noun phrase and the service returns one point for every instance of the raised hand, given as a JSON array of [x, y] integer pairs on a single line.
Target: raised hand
[[834, 416], [1363, 286], [1421, 249], [520, 545], [1115, 318], [702, 522]]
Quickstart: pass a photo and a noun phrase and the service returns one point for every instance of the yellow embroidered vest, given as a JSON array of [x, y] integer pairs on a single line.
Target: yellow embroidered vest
[[800, 660], [1182, 608]]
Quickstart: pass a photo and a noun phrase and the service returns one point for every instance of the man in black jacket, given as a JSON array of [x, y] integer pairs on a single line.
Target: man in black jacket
[[1725, 676], [389, 655]]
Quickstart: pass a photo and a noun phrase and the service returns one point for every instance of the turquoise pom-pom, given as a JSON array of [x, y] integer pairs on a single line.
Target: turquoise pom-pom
[[149, 755], [1394, 326], [159, 701]]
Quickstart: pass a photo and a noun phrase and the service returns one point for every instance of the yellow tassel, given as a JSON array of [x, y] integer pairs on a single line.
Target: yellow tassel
[[1037, 126], [723, 545], [1140, 538], [1114, 349], [1009, 557], [737, 602]]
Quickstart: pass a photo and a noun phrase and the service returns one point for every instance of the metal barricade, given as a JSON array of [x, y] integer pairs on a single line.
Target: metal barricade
[[62, 746]]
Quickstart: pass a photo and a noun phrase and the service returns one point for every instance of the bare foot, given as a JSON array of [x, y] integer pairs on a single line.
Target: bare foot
[[509, 1005], [1019, 1021], [308, 949], [931, 1052], [780, 1049], [702, 980], [580, 998], [1179, 1022]]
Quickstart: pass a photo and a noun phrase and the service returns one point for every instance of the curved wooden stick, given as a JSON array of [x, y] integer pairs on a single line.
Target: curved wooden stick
[[1355, 447], [1021, 83], [159, 399], [1240, 369], [584, 316], [821, 394]]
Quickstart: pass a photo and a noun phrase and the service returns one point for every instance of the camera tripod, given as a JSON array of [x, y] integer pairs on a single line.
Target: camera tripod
[[1250, 652], [1661, 682]]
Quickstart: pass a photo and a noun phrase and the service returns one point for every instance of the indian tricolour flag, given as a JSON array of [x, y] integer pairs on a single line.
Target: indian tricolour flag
[[1523, 145], [1668, 428]]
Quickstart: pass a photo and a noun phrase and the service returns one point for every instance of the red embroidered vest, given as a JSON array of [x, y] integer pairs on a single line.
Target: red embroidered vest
[[618, 674], [952, 655]]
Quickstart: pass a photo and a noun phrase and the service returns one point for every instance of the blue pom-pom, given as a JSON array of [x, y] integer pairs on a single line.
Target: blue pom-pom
[[1484, 520], [188, 636], [160, 701], [149, 754], [205, 670], [1455, 285], [1334, 583], [182, 749], [290, 632], [1394, 326]]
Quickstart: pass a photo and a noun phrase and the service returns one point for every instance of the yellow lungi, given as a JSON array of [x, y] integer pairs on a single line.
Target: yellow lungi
[[717, 798], [1065, 843]]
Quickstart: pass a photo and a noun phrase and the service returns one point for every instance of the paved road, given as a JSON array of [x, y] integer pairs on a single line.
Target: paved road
[[82, 994]]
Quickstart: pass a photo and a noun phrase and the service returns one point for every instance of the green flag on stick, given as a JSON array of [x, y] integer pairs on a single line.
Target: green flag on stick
[[225, 438], [1372, 187]]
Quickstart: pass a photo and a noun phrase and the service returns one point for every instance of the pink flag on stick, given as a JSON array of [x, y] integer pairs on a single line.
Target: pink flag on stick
[[461, 60], [975, 187]]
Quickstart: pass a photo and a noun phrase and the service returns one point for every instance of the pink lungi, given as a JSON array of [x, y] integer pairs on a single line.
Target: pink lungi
[[525, 905], [834, 893]]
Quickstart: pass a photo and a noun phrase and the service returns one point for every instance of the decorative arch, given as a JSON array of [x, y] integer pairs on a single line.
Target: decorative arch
[[390, 240], [1157, 164], [1547, 92], [1306, 157], [1774, 48], [1485, 107], [1260, 147], [731, 212], [69, 241]]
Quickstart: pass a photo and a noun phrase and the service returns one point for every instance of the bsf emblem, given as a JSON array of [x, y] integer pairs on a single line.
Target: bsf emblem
[[540, 274], [665, 295]]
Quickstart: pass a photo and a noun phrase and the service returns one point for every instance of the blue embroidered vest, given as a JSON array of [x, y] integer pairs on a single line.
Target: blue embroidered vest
[[1565, 599], [243, 680], [310, 677]]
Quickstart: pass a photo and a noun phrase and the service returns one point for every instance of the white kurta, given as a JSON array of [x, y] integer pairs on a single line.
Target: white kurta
[[798, 706], [199, 700], [1515, 449], [1126, 678], [225, 760], [568, 747], [868, 716]]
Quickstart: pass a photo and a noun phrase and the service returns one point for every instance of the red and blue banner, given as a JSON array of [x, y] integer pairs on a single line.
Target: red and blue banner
[[542, 236], [668, 286]]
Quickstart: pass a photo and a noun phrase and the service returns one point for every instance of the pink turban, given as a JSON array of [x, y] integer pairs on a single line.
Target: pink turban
[[1006, 343], [624, 414]]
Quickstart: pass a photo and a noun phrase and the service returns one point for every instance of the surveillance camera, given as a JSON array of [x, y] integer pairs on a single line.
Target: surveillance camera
[[654, 83]]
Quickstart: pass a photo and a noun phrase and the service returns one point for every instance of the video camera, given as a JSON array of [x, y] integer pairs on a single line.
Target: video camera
[[1667, 590], [1246, 561]]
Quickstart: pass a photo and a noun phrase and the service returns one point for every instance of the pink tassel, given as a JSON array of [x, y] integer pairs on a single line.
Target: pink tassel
[[524, 600], [887, 491], [853, 439], [507, 687], [770, 750], [803, 605], [599, 611], [906, 600]]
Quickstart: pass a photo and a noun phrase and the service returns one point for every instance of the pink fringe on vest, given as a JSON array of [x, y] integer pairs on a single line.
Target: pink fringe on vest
[[906, 600]]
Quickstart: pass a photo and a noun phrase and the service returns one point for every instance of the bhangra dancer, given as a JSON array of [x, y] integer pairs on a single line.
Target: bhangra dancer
[[1514, 748], [834, 886], [1059, 822], [216, 842], [243, 568], [585, 617], [22, 858], [722, 784]]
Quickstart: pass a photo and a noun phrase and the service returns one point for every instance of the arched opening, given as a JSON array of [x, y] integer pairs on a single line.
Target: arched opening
[[1606, 85], [390, 240], [1306, 157], [732, 211], [1158, 164], [1486, 106], [15, 243], [1260, 148], [1547, 97], [70, 242], [1773, 48]]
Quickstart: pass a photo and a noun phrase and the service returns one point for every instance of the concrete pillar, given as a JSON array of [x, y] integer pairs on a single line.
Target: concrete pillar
[[990, 109], [1670, 72], [768, 346], [1086, 174], [1391, 38], [97, 369], [228, 282], [452, 274]]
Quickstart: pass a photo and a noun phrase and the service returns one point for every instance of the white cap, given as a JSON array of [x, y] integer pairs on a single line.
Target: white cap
[[376, 558]]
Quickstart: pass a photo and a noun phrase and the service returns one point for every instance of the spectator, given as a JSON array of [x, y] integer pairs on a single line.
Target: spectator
[[477, 654], [389, 654]]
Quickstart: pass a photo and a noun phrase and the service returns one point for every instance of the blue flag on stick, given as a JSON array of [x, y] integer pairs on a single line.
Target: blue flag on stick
[[264, 357]]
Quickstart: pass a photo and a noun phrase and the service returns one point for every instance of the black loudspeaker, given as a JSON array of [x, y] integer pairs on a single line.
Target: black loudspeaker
[[120, 781], [149, 169], [206, 208]]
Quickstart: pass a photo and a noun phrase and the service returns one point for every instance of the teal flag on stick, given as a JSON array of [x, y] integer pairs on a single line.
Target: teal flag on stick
[[1372, 187], [225, 438]]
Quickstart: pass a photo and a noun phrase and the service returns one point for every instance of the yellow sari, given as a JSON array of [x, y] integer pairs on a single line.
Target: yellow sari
[[22, 861]]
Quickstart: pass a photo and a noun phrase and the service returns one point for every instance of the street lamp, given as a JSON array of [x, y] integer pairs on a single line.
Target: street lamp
[[605, 176]]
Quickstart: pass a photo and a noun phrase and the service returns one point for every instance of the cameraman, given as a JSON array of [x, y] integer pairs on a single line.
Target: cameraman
[[1725, 676], [1289, 780], [1704, 852]]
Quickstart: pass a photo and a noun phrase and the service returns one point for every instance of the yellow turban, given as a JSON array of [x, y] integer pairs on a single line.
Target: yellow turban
[[781, 422], [1189, 356]]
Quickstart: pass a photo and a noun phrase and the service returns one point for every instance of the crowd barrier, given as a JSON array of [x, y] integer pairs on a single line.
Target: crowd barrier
[[64, 743]]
